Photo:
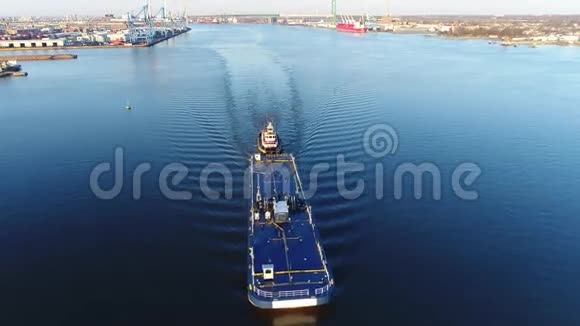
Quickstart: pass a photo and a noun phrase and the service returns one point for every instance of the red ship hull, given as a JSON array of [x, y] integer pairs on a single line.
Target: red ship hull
[[350, 28]]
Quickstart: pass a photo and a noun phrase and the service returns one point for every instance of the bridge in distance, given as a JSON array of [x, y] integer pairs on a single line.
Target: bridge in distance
[[271, 18]]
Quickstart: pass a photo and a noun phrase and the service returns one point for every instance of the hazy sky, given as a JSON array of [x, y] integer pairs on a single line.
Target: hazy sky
[[92, 7]]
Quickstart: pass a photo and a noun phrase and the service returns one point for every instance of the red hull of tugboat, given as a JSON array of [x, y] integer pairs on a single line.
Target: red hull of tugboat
[[349, 28]]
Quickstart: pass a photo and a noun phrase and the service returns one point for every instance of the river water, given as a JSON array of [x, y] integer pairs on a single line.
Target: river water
[[511, 256]]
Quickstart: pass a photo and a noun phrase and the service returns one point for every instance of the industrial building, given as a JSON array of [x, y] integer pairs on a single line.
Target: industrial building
[[46, 43]]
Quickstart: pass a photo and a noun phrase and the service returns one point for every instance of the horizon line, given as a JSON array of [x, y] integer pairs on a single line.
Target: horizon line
[[314, 14]]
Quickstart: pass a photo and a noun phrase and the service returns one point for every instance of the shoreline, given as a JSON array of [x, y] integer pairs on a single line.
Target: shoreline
[[76, 47], [429, 34], [72, 48], [500, 42]]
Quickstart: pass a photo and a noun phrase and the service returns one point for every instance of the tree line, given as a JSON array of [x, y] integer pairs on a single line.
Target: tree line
[[507, 32]]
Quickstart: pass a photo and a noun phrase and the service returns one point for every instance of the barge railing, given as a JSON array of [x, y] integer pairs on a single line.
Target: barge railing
[[283, 294]]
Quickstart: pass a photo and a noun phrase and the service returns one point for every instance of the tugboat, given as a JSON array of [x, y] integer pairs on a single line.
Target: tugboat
[[268, 141], [287, 266], [12, 66]]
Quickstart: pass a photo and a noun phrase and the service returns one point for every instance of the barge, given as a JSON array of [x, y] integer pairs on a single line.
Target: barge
[[287, 266]]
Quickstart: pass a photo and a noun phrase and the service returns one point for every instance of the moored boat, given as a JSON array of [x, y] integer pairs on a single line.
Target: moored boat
[[350, 25], [12, 66]]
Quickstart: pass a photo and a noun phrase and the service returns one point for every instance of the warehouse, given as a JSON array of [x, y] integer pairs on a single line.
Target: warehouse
[[45, 43]]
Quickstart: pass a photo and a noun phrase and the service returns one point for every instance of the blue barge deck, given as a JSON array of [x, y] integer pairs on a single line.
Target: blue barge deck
[[287, 266]]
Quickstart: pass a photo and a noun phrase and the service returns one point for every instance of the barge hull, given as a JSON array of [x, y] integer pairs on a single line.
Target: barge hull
[[287, 266], [287, 304]]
